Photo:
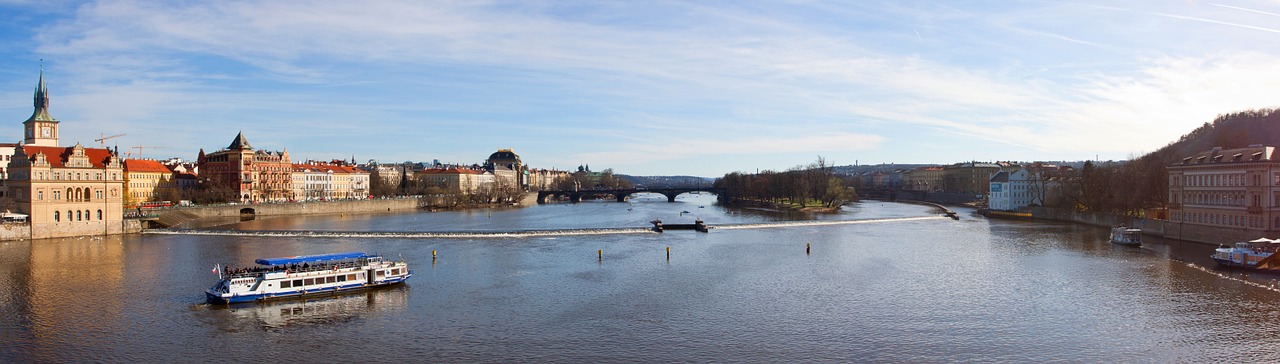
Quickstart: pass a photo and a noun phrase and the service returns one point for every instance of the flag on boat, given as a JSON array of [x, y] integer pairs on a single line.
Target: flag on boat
[[215, 268]]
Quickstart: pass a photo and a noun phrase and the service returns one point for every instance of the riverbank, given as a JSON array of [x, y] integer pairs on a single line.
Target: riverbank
[[779, 206], [182, 216], [1207, 235]]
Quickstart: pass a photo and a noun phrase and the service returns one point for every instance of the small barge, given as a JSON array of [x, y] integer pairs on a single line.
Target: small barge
[[301, 276]]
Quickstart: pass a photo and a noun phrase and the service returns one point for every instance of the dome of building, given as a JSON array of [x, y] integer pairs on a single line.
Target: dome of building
[[503, 155]]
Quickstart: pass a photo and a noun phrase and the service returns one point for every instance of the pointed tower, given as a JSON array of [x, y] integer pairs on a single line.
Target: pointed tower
[[41, 128], [240, 143]]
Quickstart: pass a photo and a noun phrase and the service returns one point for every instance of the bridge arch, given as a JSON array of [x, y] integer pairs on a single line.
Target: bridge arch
[[247, 214], [621, 195]]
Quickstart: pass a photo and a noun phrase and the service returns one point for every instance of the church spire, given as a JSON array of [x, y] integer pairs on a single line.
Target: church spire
[[41, 100]]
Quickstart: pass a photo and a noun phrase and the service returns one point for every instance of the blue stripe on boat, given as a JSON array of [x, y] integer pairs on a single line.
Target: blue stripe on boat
[[309, 258]]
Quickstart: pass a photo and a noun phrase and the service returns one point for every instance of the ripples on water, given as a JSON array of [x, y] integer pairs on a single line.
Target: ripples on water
[[881, 282]]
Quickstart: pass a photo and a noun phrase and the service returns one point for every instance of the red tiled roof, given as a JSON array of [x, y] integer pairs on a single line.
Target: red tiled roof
[[57, 156], [454, 170], [326, 167], [144, 165]]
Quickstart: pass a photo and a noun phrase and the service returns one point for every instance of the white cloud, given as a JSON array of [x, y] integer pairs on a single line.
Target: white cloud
[[1026, 79]]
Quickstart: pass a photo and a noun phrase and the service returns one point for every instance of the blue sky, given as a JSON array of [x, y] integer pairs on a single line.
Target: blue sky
[[644, 87]]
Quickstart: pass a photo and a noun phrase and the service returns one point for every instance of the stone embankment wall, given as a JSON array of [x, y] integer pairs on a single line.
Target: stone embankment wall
[[175, 216], [15, 231], [1166, 229]]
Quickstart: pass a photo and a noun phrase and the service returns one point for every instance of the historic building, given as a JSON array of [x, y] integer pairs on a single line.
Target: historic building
[[544, 179], [1231, 188], [329, 181], [67, 191], [507, 169], [455, 179], [254, 175], [147, 180], [927, 179], [970, 177]]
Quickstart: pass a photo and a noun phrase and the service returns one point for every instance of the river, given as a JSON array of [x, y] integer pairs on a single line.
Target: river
[[878, 282]]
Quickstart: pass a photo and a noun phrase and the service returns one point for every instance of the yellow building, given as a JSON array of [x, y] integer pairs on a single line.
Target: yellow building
[[148, 180], [67, 191]]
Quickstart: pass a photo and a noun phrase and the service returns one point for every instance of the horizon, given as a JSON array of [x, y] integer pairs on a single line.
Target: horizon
[[646, 89]]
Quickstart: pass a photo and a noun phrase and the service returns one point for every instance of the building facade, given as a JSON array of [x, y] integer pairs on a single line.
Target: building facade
[[254, 175], [66, 191], [1231, 188], [971, 177], [507, 169], [147, 180], [928, 179], [455, 179], [329, 181]]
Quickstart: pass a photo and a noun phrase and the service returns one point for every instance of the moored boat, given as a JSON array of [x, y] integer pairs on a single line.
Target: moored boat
[[308, 275], [1122, 235], [1254, 254]]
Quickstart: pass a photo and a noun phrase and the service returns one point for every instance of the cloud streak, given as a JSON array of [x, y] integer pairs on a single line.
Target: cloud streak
[[614, 82]]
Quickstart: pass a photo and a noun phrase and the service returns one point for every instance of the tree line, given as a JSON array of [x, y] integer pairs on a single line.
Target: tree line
[[815, 184]]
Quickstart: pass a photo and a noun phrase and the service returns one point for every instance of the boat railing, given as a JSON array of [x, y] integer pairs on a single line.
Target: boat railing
[[297, 268]]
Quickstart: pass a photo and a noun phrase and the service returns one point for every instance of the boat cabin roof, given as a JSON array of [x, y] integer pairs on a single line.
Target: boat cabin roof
[[309, 258]]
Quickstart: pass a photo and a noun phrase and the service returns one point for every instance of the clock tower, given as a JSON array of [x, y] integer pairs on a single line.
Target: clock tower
[[41, 129]]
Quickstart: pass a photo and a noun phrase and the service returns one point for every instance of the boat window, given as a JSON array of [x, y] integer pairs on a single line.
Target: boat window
[[309, 282], [395, 272], [382, 273], [297, 283], [342, 278], [331, 279], [351, 277], [285, 284]]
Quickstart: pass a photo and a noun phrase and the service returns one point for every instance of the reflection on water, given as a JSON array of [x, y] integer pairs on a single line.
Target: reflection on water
[[883, 282], [338, 309]]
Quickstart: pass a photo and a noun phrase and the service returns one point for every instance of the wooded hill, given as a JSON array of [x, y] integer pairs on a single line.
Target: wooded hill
[[1143, 182]]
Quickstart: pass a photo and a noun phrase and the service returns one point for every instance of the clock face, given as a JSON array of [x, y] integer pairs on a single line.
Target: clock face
[[47, 131]]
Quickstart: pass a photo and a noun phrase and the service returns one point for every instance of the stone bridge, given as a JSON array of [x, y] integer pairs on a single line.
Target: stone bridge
[[622, 194]]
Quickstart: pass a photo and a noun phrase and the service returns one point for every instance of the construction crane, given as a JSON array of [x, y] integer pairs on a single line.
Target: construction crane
[[103, 139], [141, 148]]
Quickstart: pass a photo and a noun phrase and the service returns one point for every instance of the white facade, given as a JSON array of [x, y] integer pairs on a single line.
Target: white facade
[[1014, 190]]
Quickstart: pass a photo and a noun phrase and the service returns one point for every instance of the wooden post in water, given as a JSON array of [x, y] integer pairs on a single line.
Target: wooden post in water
[[433, 255], [600, 255], [806, 248], [668, 253]]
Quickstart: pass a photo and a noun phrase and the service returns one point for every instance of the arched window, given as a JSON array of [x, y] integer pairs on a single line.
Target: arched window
[[79, 217], [99, 214], [58, 217], [70, 197], [69, 215]]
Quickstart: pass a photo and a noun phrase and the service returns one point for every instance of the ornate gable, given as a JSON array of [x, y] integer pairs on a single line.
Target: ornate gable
[[78, 159]]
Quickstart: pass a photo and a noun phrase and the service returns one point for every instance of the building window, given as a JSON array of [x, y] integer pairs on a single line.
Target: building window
[[58, 217], [40, 196], [99, 214]]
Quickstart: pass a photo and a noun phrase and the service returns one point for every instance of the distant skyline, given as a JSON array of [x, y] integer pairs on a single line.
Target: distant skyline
[[643, 87]]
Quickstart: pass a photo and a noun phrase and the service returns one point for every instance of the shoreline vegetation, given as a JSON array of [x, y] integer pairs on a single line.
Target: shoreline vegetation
[[810, 188]]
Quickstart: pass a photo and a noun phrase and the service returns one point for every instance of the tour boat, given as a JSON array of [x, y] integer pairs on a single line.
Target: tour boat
[[308, 275], [1252, 254], [1126, 236]]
